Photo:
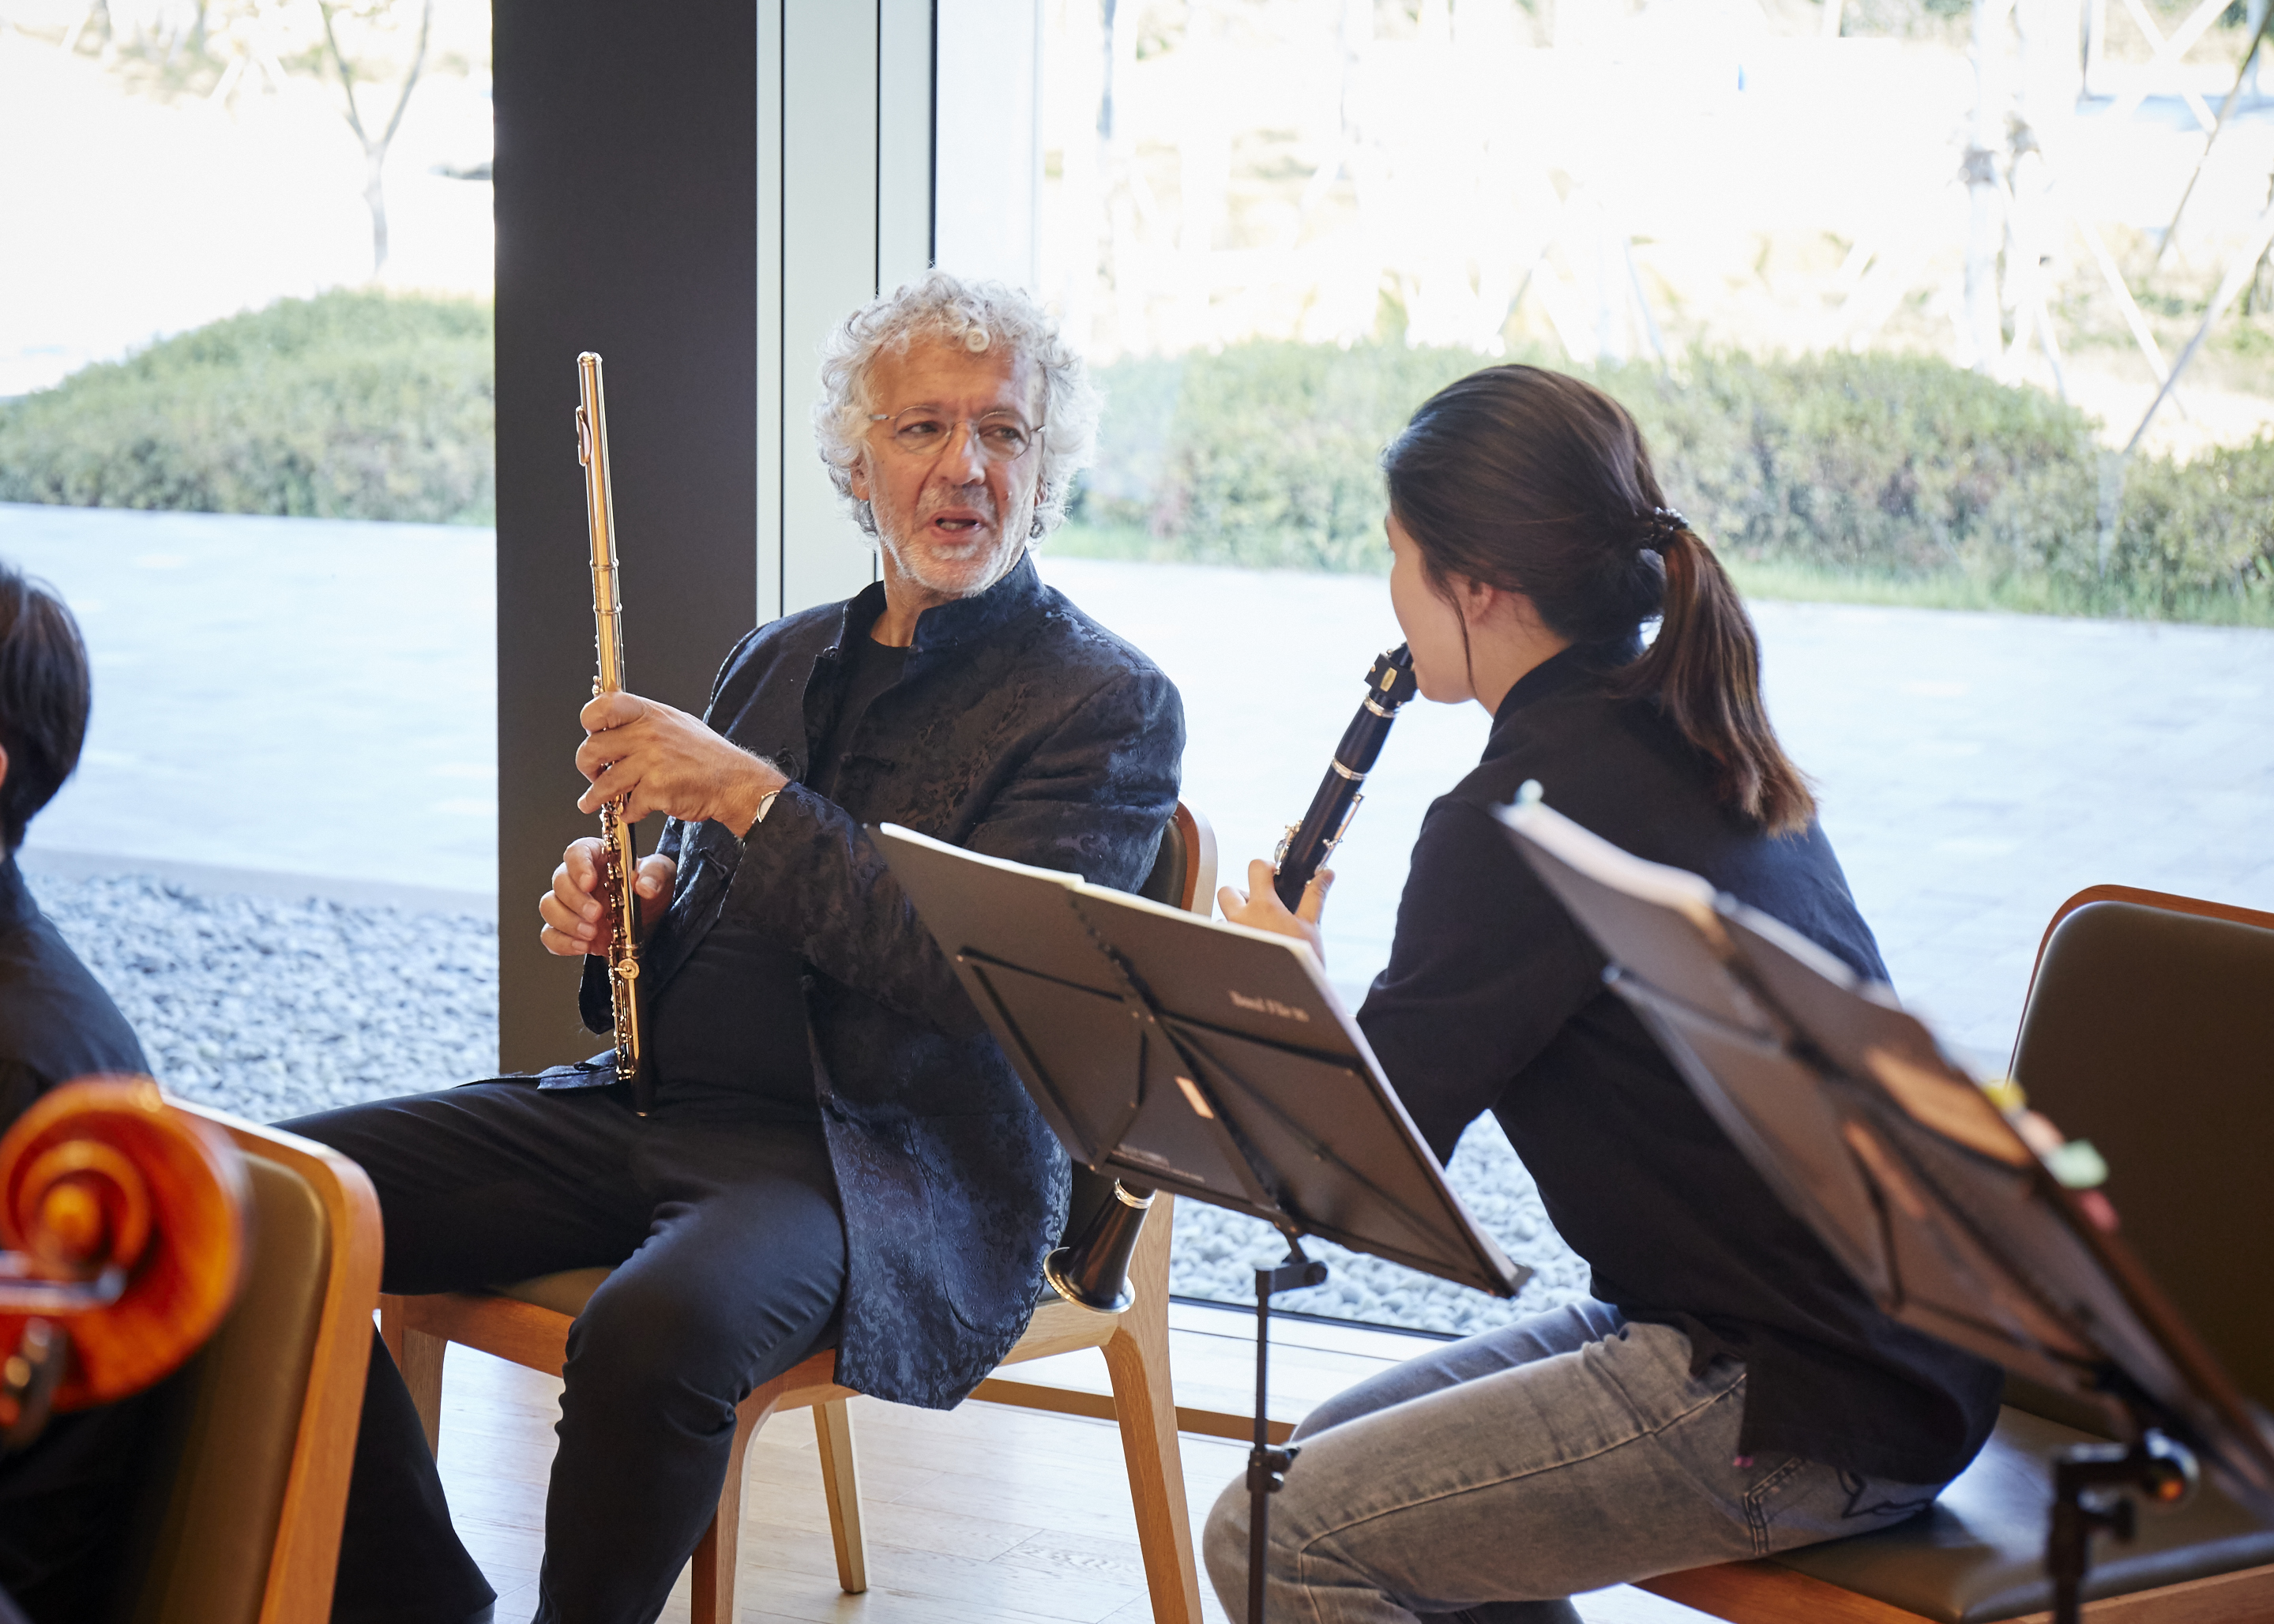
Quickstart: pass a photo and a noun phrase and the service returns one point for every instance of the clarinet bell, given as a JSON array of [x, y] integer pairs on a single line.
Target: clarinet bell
[[1093, 1272]]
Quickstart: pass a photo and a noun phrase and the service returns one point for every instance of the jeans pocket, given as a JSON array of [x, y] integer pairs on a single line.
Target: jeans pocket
[[1801, 1501], [1761, 1501]]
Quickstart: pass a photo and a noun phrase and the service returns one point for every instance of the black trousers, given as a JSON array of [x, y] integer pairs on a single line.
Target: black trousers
[[69, 1503], [728, 1245]]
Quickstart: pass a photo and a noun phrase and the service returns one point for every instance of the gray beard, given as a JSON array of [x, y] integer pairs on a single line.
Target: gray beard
[[1007, 557]]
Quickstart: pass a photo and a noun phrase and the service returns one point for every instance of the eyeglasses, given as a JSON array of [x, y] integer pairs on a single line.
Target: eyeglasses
[[919, 433]]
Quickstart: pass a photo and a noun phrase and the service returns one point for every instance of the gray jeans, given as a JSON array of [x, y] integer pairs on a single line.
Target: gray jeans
[[1487, 1482]]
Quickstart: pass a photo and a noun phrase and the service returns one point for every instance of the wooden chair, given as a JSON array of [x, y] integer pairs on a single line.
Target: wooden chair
[[2147, 1028], [245, 1529], [528, 1323]]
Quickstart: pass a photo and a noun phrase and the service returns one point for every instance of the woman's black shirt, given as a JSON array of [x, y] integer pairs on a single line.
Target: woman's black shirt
[[1494, 1000]]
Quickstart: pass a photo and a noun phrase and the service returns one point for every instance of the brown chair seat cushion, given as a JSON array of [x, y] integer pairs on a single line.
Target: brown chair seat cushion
[[239, 1417], [565, 1293], [1979, 1553]]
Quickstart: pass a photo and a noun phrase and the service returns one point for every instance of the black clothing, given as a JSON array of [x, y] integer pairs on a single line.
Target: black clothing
[[64, 1501], [1494, 1000], [1021, 728], [909, 1224], [55, 1021], [724, 1017], [721, 1025], [400, 1562], [870, 667], [732, 1262], [73, 1504]]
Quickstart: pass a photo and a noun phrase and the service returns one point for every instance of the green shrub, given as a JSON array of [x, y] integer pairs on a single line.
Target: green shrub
[[1269, 459], [1892, 468], [1889, 463], [1859, 472], [353, 405], [2195, 535]]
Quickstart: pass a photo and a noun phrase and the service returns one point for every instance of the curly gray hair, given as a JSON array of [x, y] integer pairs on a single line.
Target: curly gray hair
[[977, 316]]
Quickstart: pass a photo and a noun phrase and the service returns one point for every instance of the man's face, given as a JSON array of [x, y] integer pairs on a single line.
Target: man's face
[[953, 516]]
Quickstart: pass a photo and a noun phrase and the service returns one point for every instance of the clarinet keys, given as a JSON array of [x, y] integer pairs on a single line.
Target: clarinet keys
[[1390, 683]]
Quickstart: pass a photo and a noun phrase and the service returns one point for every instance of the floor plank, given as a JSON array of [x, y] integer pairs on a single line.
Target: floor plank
[[983, 1515]]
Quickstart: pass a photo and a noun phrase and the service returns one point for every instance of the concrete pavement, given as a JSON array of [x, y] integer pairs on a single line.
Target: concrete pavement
[[305, 695]]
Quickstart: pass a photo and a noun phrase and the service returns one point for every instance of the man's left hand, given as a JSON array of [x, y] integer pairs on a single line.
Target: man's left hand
[[656, 759]]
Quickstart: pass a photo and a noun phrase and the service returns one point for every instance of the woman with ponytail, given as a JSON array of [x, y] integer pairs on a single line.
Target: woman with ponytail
[[1728, 1391]]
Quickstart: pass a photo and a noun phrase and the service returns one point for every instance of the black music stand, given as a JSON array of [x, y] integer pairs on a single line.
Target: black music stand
[[1204, 1058], [1911, 1177]]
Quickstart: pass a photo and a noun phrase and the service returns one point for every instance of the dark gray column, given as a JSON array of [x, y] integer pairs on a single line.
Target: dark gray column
[[627, 223]]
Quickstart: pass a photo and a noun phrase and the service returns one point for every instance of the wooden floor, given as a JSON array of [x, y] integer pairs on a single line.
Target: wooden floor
[[984, 1514]]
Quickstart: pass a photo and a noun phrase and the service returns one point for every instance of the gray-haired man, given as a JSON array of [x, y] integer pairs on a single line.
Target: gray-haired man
[[839, 1151]]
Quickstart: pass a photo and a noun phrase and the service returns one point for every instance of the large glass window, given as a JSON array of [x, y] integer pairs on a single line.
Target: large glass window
[[1889, 287], [246, 431]]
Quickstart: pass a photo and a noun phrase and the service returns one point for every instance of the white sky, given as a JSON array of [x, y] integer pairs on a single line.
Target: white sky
[[123, 218]]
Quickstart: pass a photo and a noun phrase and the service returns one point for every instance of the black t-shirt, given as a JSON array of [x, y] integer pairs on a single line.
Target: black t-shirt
[[733, 1019], [1494, 1000], [64, 1502], [871, 668], [56, 1022]]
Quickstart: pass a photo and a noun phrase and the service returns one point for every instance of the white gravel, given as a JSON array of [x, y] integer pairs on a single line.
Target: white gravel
[[272, 1008]]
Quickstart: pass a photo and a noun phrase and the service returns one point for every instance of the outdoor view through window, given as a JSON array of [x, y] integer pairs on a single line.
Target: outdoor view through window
[[247, 340], [1893, 288], [1881, 284]]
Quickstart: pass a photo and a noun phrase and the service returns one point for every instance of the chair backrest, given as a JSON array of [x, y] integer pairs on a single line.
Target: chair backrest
[[1184, 871], [1183, 877], [2150, 1030], [246, 1527]]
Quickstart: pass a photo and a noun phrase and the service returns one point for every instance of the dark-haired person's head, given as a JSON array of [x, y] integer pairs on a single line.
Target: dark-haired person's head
[[44, 696], [1540, 483]]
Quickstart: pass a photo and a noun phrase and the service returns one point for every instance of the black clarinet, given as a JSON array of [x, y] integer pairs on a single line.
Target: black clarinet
[[1389, 685]]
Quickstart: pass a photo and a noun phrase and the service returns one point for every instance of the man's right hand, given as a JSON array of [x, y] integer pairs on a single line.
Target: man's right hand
[[576, 919]]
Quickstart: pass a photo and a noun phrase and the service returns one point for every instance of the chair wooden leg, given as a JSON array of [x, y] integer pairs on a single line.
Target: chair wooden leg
[[419, 1357], [710, 1585], [1137, 1359], [840, 1483]]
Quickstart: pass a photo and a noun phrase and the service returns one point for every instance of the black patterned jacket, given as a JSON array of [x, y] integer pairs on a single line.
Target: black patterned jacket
[[1021, 728]]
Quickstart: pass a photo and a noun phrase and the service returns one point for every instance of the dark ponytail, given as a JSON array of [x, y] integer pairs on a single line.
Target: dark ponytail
[[1537, 483]]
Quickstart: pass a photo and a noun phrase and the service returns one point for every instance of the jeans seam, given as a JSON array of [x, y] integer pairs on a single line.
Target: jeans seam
[[1302, 1551], [1756, 1511]]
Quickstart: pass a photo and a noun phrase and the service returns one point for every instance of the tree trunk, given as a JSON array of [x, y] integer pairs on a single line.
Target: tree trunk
[[374, 197], [374, 148], [1983, 333]]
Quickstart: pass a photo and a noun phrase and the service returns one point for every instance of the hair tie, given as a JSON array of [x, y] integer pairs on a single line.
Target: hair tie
[[1664, 522]]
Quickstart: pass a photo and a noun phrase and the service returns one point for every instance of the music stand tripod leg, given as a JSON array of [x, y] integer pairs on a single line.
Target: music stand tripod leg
[[2155, 1466], [1266, 1467]]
